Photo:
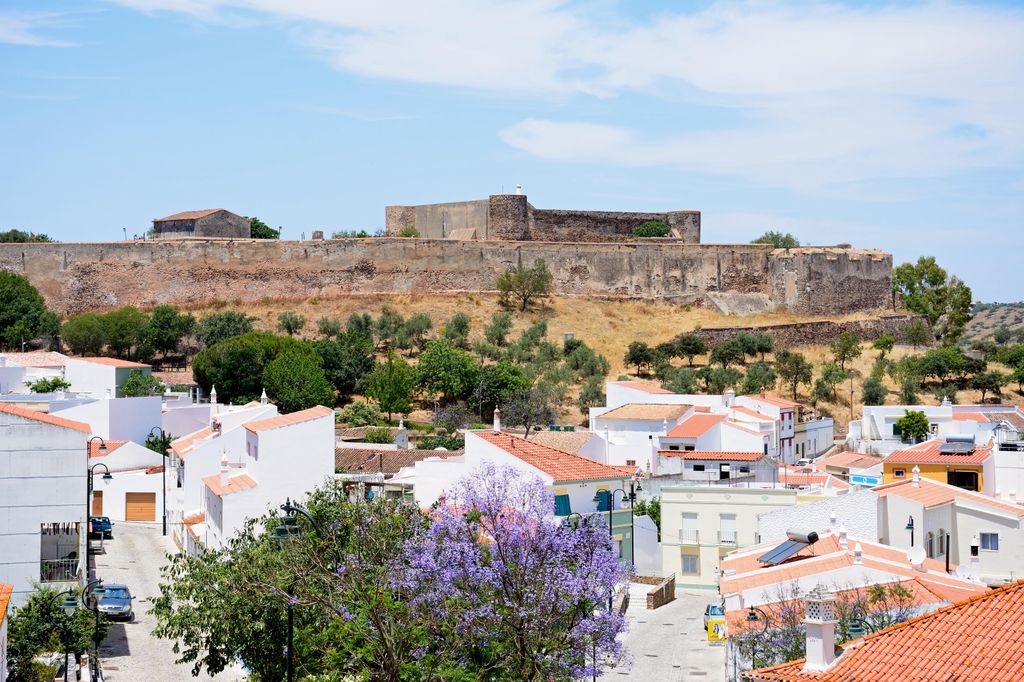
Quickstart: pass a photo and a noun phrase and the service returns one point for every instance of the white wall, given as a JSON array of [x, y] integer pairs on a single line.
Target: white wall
[[118, 418], [122, 482], [1009, 473], [91, 377], [648, 551], [12, 380], [857, 510]]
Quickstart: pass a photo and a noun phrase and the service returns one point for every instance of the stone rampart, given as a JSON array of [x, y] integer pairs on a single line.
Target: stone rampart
[[77, 277], [818, 333]]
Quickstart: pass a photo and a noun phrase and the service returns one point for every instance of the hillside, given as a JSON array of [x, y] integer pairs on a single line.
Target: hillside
[[990, 317]]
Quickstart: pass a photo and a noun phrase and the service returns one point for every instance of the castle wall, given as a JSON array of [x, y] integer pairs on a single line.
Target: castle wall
[[607, 226], [78, 277]]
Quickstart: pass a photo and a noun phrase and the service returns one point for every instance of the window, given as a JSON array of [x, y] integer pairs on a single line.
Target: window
[[689, 448], [698, 467], [990, 541], [745, 470], [899, 473], [690, 565], [934, 428], [929, 544], [942, 541], [603, 500], [727, 529], [673, 447], [631, 462], [562, 505]]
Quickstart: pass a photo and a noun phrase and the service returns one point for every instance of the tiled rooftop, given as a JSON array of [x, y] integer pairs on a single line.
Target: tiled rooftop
[[184, 445], [695, 425], [45, 418], [94, 447], [370, 460], [646, 412], [773, 400], [933, 494], [978, 639], [928, 453], [189, 215], [112, 362], [849, 460], [646, 388], [712, 455], [48, 359], [561, 466], [288, 419], [236, 484]]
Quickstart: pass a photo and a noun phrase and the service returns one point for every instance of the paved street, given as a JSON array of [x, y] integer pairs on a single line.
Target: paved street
[[670, 643], [130, 652]]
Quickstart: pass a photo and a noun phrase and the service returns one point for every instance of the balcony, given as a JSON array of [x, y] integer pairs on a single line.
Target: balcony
[[689, 537], [727, 537], [58, 570]]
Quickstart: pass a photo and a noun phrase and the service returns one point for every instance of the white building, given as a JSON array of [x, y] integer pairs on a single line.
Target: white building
[[985, 535], [42, 500], [875, 431], [135, 490], [19, 369], [700, 525], [856, 511], [286, 456], [115, 418], [5, 601], [101, 377]]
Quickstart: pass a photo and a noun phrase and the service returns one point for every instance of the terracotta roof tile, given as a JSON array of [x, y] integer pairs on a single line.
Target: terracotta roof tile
[[928, 453], [744, 427], [712, 455], [198, 517], [112, 362], [566, 441], [773, 400], [695, 425], [851, 460], [45, 418], [561, 466], [975, 639], [36, 359], [184, 445], [289, 419], [970, 417], [189, 215], [94, 447], [646, 388], [646, 411], [370, 460], [5, 599], [236, 484], [751, 413], [933, 494]]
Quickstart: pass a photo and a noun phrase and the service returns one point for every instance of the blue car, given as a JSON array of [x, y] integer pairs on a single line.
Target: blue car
[[100, 527], [116, 602]]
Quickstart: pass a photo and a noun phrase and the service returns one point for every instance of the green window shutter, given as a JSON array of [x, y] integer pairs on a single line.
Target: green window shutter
[[603, 502], [562, 506]]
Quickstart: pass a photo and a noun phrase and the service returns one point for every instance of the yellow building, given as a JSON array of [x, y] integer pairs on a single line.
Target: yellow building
[[962, 464]]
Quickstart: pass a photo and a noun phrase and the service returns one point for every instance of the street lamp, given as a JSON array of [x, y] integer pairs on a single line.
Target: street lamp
[[68, 606], [634, 485], [858, 627], [163, 439], [752, 617], [102, 448], [910, 527], [90, 597]]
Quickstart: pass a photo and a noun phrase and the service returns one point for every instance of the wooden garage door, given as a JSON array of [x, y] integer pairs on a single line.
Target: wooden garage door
[[97, 503], [140, 506]]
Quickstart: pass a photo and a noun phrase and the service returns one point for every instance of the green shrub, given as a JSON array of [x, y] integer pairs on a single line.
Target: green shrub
[[652, 228], [379, 435], [360, 413], [409, 231]]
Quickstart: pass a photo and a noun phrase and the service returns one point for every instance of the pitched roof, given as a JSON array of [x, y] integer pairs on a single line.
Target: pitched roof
[[36, 359], [934, 494], [566, 441], [695, 425], [189, 215], [561, 466], [5, 599], [641, 386], [184, 445], [288, 419], [849, 460], [928, 453], [45, 418], [970, 417], [646, 412], [708, 454], [370, 460], [236, 484], [773, 400], [752, 413], [975, 639], [793, 476], [198, 517], [94, 447], [112, 362], [744, 427]]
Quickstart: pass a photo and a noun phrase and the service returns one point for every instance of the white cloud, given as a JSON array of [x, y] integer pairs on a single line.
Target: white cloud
[[831, 95], [23, 28]]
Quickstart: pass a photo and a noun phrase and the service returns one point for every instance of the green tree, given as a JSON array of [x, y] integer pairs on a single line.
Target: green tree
[[652, 228], [833, 375], [958, 311], [360, 413], [167, 327], [260, 230], [48, 385], [523, 286], [909, 389], [456, 330], [652, 509], [591, 394], [689, 346], [913, 425], [718, 379], [680, 380], [821, 391], [760, 377], [347, 361], [846, 348], [380, 435], [21, 237], [328, 327], [290, 322], [927, 290], [84, 334], [883, 344], [295, 380], [388, 327], [236, 366], [1002, 335], [361, 324], [497, 384], [218, 327], [21, 310], [874, 392], [446, 370], [989, 382], [498, 330], [159, 443], [727, 353], [139, 384], [778, 240], [793, 369], [530, 408], [390, 384], [417, 327], [124, 328], [917, 333], [639, 354]]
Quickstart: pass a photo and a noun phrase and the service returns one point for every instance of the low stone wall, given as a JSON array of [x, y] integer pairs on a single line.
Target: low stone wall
[[816, 333], [663, 593], [612, 226]]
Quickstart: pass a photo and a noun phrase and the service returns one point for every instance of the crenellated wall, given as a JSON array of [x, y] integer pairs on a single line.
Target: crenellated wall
[[745, 277]]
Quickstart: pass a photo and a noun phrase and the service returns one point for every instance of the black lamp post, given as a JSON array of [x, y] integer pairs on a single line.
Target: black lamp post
[[162, 437], [90, 597], [88, 490], [858, 627], [910, 527], [630, 496], [68, 605], [288, 529], [752, 617]]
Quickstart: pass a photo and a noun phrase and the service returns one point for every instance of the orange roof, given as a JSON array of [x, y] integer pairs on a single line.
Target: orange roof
[[184, 445], [975, 639], [36, 359], [751, 413], [627, 469], [970, 417], [744, 427], [236, 484], [561, 466], [189, 215], [5, 599], [851, 459], [928, 453], [773, 400], [45, 418], [695, 425], [198, 517], [646, 412], [641, 386], [112, 362], [789, 476], [289, 419], [709, 454], [933, 494], [94, 447]]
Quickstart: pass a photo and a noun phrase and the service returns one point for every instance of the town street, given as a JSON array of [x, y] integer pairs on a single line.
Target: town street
[[131, 652]]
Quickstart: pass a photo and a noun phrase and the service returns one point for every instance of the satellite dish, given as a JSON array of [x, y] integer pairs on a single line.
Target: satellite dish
[[963, 572], [916, 555]]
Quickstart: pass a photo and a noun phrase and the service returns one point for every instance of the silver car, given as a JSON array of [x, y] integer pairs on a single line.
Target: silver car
[[116, 602]]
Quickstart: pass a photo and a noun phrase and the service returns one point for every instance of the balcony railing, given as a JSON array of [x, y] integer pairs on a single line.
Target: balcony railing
[[727, 537], [689, 537], [58, 570]]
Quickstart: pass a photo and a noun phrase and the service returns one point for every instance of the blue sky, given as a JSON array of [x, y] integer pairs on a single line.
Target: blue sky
[[897, 126]]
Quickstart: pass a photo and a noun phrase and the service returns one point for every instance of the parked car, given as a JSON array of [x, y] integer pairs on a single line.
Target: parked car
[[805, 462], [116, 602], [100, 527], [713, 611]]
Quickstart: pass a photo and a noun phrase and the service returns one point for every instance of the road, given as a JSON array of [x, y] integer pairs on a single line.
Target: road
[[130, 653], [670, 643]]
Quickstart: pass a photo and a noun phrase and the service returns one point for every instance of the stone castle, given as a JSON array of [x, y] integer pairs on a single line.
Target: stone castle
[[464, 247]]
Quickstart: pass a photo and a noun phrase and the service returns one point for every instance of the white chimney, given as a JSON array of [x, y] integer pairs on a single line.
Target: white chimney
[[1013, 497], [224, 469], [497, 420], [213, 395], [108, 396], [842, 537], [916, 479], [263, 397], [946, 402], [858, 554], [820, 622], [729, 397], [832, 518], [975, 559], [519, 188]]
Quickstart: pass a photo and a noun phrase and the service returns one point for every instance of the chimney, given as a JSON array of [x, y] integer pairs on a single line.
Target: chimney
[[832, 518], [729, 397], [1013, 497], [224, 469], [946, 402], [916, 479], [519, 188], [263, 397], [842, 537], [497, 420], [402, 436], [213, 395], [820, 622], [858, 554], [975, 559], [108, 396]]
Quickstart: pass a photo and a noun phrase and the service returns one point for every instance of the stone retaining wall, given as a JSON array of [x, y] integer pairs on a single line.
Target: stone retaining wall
[[817, 333]]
